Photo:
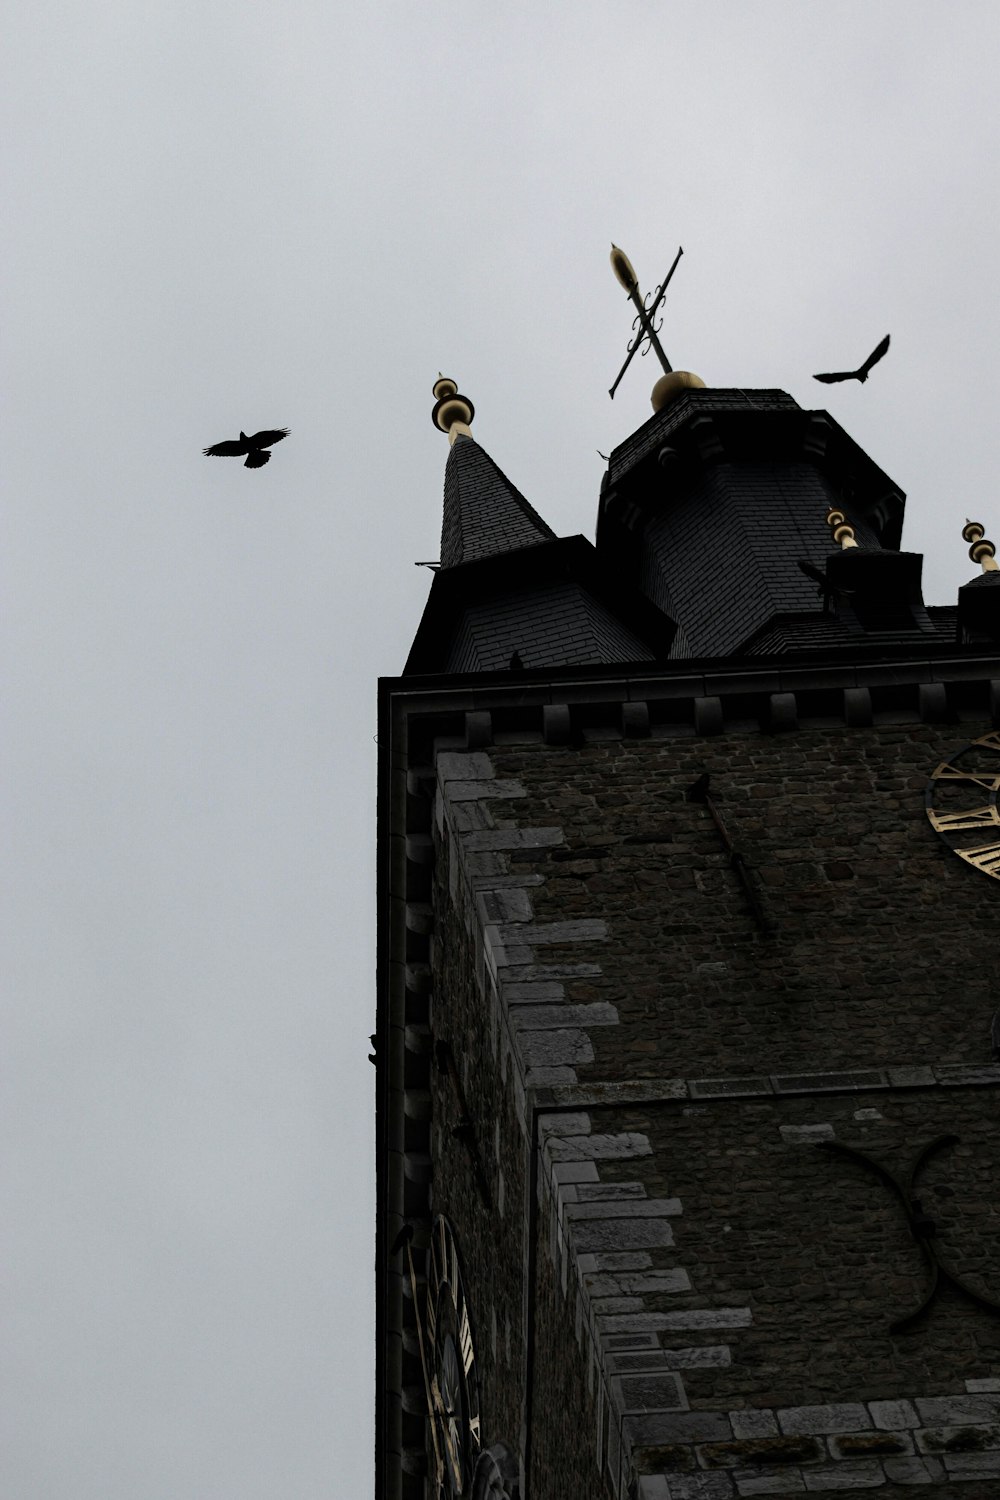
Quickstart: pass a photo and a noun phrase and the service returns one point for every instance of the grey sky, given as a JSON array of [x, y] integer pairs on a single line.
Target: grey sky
[[222, 216]]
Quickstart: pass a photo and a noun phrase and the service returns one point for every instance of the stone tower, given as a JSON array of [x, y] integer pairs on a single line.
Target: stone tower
[[689, 893]]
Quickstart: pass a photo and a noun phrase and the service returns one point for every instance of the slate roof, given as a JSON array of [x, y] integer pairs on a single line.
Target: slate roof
[[483, 512], [556, 624]]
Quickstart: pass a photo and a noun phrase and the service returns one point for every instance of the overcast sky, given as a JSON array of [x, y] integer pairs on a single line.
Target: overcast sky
[[219, 216]]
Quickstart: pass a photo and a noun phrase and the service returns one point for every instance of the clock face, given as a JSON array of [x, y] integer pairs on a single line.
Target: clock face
[[961, 803], [451, 1354]]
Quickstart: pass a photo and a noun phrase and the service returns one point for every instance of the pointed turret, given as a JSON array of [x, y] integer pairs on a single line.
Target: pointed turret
[[509, 595], [483, 513]]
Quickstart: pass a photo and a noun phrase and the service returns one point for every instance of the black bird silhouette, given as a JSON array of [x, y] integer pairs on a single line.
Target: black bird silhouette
[[254, 447], [863, 371]]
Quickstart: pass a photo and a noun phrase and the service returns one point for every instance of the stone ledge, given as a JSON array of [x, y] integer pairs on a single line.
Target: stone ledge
[[650, 1091]]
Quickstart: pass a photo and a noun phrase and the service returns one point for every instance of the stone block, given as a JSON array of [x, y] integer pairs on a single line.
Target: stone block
[[630, 1362], [563, 1125], [625, 1285], [972, 1465], [754, 1423], [585, 930], [769, 1482], [983, 1386], [913, 1470], [606, 1306], [700, 1357], [846, 1416], [956, 1411], [555, 1049], [492, 840], [626, 1260], [609, 1190], [621, 1234], [536, 992], [551, 1017], [454, 766], [468, 791], [653, 1428], [620, 1341], [469, 817], [700, 1487], [689, 1318], [891, 1416], [549, 1077], [574, 1171], [856, 1476], [599, 1147], [649, 1392], [635, 1208]]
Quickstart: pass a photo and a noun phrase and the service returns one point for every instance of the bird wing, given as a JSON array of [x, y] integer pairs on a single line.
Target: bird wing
[[268, 436], [231, 449], [839, 375], [875, 355], [257, 460]]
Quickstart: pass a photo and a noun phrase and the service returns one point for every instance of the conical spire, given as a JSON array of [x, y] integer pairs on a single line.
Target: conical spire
[[483, 513], [509, 595]]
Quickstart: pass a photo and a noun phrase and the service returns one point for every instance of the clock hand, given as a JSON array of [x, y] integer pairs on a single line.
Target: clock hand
[[447, 1420]]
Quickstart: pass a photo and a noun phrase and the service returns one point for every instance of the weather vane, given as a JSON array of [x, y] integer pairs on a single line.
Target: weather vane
[[646, 329]]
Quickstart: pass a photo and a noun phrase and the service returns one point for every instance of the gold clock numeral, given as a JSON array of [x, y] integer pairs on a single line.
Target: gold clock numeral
[[948, 772], [475, 1430], [973, 817], [465, 1337], [986, 858]]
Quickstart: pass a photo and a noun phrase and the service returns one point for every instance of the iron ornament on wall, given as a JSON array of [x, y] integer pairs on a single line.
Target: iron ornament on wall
[[921, 1225]]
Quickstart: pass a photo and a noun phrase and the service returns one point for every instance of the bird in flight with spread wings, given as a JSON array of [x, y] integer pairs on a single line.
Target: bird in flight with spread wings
[[863, 372], [254, 447]]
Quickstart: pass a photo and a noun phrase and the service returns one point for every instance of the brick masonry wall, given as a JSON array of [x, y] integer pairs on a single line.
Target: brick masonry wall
[[882, 951], [593, 941]]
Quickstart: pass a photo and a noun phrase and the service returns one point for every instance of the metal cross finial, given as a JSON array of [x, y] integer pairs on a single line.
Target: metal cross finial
[[643, 322]]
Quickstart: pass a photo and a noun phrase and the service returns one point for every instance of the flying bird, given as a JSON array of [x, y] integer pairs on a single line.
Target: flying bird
[[861, 373], [254, 447]]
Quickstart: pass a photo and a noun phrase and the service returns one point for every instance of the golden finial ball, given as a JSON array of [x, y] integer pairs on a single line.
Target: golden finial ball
[[669, 387]]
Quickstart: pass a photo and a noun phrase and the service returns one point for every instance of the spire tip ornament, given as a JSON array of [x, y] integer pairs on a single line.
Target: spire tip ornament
[[452, 411], [843, 531], [981, 549]]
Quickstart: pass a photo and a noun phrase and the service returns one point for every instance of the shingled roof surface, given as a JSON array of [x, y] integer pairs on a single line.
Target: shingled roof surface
[[483, 513], [551, 625]]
